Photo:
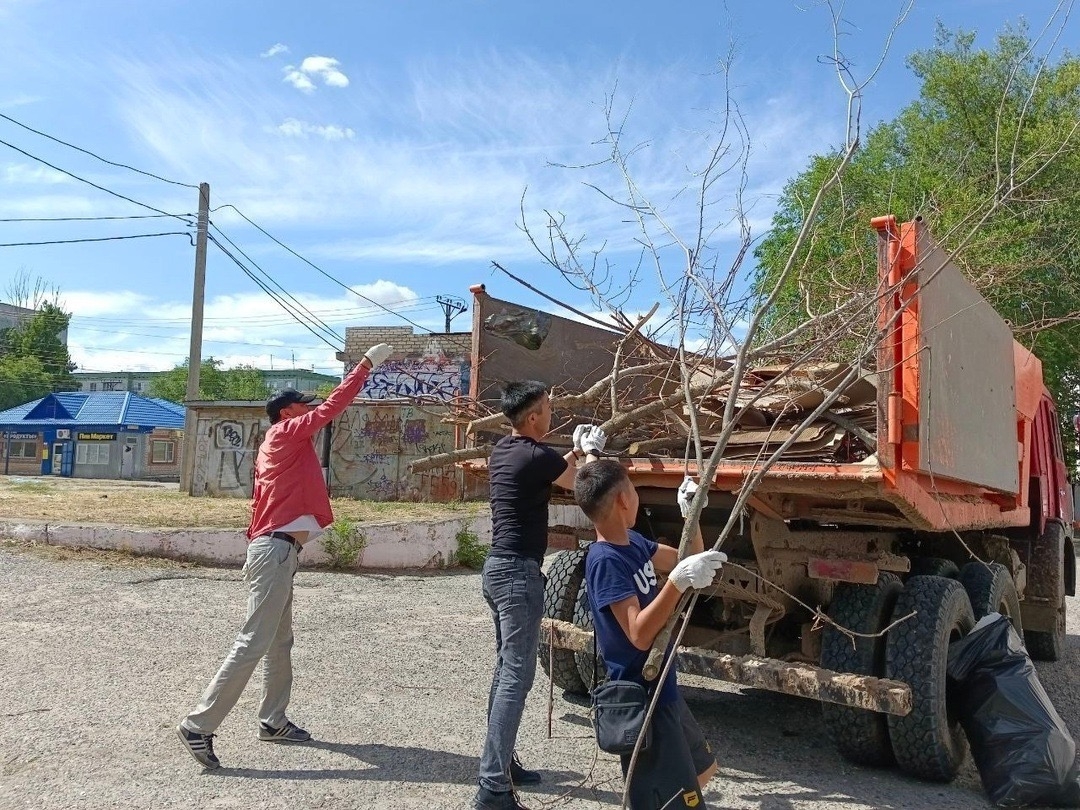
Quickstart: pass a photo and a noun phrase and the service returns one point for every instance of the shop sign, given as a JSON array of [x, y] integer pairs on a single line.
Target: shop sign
[[96, 437]]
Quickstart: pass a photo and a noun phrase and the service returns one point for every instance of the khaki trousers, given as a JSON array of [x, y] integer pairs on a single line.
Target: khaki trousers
[[267, 635]]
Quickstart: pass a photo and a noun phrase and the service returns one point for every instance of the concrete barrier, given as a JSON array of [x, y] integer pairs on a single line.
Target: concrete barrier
[[412, 544]]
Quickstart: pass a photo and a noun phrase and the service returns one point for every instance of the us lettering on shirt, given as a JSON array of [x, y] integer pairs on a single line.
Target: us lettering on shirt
[[645, 578]]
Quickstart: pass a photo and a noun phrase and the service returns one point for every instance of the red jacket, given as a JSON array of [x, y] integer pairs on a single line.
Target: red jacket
[[288, 476]]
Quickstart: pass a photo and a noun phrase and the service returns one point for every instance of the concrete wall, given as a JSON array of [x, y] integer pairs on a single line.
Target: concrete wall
[[427, 544], [420, 544], [227, 440], [372, 445]]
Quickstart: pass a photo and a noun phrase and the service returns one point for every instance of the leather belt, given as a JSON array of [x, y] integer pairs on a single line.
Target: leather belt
[[287, 538]]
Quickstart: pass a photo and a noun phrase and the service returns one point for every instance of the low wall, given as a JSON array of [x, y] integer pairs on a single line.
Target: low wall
[[412, 544]]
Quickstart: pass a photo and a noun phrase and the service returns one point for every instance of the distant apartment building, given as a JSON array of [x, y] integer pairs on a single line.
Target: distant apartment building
[[12, 316], [138, 382]]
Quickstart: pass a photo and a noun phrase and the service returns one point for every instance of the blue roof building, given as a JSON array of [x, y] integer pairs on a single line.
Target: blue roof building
[[93, 435]]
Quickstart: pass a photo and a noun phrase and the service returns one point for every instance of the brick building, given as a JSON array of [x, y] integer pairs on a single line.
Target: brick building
[[429, 366]]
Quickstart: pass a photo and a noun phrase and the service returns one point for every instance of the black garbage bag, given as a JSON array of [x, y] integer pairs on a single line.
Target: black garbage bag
[[1024, 752]]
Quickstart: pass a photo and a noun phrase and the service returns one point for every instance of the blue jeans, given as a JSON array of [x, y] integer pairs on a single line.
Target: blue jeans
[[514, 589]]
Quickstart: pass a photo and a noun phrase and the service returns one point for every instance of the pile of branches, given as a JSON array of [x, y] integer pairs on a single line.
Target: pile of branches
[[643, 406]]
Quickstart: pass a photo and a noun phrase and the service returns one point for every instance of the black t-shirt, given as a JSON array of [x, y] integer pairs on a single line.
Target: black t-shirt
[[521, 472]]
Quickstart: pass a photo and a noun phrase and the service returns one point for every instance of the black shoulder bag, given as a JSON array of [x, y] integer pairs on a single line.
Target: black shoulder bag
[[618, 710]]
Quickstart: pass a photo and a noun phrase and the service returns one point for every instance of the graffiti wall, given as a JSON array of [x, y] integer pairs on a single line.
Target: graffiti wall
[[372, 445], [432, 379], [227, 440], [370, 450]]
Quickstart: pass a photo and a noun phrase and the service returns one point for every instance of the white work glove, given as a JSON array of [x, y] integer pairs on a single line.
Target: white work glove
[[579, 433], [378, 353], [697, 570], [687, 489], [593, 440]]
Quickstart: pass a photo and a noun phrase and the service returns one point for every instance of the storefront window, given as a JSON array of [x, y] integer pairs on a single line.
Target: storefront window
[[21, 449], [91, 453]]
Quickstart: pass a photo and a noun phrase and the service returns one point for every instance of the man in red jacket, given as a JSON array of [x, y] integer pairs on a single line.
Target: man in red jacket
[[290, 507]]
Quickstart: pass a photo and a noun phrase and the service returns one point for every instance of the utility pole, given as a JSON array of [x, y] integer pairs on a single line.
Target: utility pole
[[198, 294], [452, 306]]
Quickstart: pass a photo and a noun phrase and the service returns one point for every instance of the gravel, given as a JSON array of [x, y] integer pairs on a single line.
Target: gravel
[[100, 655]]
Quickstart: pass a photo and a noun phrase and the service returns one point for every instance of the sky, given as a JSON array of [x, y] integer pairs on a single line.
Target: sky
[[397, 147]]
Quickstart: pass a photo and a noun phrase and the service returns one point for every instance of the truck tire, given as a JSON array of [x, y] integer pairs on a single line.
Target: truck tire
[[588, 666], [928, 742], [991, 589], [861, 736], [564, 577], [1047, 645], [1048, 564], [934, 567]]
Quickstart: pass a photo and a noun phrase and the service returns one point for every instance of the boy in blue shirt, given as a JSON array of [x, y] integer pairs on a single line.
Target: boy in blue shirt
[[628, 611]]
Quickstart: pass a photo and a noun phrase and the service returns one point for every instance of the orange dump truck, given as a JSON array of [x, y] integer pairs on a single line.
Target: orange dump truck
[[961, 509]]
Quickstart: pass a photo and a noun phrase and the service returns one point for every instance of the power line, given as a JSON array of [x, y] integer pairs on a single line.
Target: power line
[[316, 267], [96, 239], [350, 313], [90, 219], [95, 155], [93, 184], [270, 292], [271, 279], [207, 340]]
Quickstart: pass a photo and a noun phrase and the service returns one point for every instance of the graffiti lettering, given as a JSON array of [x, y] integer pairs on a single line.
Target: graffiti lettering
[[416, 379]]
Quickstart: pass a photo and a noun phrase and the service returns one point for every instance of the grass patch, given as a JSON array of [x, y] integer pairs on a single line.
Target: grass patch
[[29, 487], [344, 544], [123, 503], [470, 551]]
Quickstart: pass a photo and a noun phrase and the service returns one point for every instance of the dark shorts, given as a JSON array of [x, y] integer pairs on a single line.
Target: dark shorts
[[670, 768]]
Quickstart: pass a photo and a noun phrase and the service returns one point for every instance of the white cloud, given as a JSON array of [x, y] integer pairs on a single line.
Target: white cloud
[[28, 174], [274, 50], [324, 68], [295, 128], [299, 80], [129, 331], [49, 205], [18, 101], [87, 303]]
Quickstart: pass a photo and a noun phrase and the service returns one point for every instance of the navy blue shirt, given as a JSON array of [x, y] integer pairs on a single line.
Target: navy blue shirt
[[613, 573], [521, 472]]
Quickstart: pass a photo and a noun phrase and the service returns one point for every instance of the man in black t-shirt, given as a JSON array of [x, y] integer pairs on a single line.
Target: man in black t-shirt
[[521, 472]]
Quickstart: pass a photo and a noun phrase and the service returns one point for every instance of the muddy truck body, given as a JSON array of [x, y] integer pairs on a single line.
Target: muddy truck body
[[960, 508]]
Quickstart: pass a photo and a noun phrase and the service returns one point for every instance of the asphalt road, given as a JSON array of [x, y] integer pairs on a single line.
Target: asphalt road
[[100, 656]]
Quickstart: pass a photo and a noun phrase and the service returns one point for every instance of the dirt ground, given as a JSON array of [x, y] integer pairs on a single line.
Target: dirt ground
[[101, 654], [136, 503]]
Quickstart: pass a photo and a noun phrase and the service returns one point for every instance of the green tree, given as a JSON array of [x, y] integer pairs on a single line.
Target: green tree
[[215, 383], [22, 379], [245, 383], [988, 155], [39, 338]]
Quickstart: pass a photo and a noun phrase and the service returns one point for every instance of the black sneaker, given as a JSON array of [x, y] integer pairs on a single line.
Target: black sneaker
[[520, 775], [200, 746], [290, 732], [489, 800]]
